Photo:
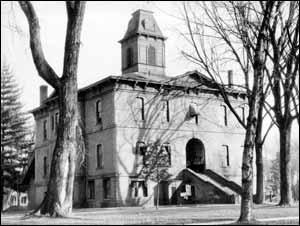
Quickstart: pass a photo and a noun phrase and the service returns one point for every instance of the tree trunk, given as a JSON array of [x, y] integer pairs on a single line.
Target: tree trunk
[[259, 197], [285, 165], [59, 197], [247, 175], [255, 98]]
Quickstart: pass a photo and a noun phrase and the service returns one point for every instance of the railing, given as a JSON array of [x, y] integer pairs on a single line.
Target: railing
[[223, 181]]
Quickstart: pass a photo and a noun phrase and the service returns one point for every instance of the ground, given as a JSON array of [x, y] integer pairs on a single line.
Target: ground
[[189, 214]]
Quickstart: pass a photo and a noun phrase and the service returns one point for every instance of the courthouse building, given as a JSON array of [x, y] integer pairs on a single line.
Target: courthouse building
[[123, 115]]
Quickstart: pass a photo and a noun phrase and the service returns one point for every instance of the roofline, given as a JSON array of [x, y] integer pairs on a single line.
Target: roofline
[[118, 78], [145, 34]]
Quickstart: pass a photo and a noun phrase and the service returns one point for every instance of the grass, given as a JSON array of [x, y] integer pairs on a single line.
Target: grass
[[164, 215]]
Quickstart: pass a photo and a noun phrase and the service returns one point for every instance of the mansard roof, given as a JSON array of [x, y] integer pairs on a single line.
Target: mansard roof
[[142, 23], [189, 80]]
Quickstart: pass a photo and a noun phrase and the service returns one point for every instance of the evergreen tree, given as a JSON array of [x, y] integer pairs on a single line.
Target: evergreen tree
[[15, 133]]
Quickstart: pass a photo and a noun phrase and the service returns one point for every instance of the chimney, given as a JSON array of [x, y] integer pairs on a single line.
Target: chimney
[[230, 78], [43, 93]]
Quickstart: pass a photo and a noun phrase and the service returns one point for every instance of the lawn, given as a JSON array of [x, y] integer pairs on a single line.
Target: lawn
[[164, 215]]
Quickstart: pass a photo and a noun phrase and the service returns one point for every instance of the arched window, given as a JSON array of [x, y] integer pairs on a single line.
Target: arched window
[[141, 107], [99, 111], [129, 57], [165, 154], [99, 156], [140, 148], [45, 166], [151, 56], [225, 115]]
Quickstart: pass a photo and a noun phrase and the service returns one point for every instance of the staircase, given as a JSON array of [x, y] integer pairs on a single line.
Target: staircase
[[220, 186], [223, 181]]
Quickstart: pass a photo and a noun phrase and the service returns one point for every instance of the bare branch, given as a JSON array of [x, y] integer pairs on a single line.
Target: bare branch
[[44, 69]]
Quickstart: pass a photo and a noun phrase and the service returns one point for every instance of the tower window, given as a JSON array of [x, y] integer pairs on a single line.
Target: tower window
[[151, 56], [129, 57]]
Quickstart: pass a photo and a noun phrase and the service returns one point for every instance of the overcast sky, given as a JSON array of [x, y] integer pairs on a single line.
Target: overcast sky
[[104, 24]]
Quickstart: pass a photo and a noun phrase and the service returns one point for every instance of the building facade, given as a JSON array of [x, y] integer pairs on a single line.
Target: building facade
[[125, 116]]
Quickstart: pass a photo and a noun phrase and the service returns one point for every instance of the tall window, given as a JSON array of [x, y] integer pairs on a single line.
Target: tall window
[[141, 108], [165, 154], [225, 115], [99, 156], [45, 166], [106, 188], [91, 187], [196, 119], [56, 118], [226, 159], [151, 56], [52, 122], [140, 151], [99, 111], [129, 57], [45, 129], [23, 200], [165, 110], [243, 114], [139, 189]]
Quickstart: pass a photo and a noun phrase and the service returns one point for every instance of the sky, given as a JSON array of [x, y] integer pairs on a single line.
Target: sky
[[104, 24]]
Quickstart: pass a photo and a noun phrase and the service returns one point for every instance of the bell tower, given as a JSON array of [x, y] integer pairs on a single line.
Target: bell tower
[[143, 46]]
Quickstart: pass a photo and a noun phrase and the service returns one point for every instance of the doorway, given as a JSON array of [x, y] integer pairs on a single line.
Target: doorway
[[195, 155]]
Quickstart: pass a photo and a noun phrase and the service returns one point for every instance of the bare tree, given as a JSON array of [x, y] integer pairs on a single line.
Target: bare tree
[[59, 196], [242, 37], [283, 75]]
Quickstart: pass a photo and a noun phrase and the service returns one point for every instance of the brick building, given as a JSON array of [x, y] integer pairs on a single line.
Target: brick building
[[122, 115]]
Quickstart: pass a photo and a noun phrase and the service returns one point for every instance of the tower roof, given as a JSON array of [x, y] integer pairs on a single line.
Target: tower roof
[[142, 22]]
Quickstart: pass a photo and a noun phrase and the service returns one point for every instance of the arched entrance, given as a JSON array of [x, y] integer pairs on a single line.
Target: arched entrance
[[195, 155]]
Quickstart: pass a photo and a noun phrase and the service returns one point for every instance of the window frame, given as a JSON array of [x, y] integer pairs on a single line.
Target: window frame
[[151, 55], [227, 163], [165, 111], [45, 167], [45, 131], [129, 57], [99, 113], [52, 122], [99, 165], [168, 150], [106, 182], [225, 114], [91, 189], [141, 108]]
